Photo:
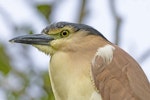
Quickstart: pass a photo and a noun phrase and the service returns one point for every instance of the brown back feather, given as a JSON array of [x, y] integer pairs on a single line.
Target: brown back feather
[[122, 79]]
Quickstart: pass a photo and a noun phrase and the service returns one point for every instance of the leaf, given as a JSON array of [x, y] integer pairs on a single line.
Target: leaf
[[4, 61], [45, 10]]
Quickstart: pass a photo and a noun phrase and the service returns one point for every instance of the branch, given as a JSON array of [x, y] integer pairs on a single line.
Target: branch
[[144, 56], [82, 11], [117, 19]]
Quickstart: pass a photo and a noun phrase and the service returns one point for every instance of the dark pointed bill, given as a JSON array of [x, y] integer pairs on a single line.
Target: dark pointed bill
[[34, 39]]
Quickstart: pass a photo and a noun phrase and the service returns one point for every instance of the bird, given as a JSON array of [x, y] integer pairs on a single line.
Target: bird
[[85, 65]]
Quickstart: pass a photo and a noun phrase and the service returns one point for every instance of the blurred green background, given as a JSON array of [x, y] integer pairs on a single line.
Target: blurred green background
[[21, 77]]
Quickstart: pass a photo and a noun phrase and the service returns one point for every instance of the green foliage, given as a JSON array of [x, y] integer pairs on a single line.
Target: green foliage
[[25, 77], [4, 61], [32, 75], [47, 87], [45, 10]]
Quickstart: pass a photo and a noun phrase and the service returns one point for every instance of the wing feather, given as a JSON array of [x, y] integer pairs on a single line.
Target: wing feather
[[121, 79]]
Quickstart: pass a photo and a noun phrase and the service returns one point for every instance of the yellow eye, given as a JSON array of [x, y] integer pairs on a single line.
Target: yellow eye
[[64, 33]]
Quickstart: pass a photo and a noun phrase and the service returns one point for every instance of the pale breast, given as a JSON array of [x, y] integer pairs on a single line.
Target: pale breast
[[70, 80]]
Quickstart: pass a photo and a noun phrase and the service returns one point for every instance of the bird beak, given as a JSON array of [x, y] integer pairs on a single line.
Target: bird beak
[[34, 39]]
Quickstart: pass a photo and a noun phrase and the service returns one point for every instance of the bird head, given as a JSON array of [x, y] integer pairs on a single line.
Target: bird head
[[60, 36]]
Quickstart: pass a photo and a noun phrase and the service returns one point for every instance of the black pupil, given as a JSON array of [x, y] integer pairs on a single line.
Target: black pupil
[[64, 33]]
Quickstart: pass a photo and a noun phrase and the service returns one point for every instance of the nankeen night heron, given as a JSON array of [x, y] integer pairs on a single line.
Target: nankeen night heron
[[84, 65]]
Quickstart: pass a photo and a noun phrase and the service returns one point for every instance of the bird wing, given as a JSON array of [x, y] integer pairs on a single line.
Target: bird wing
[[121, 79]]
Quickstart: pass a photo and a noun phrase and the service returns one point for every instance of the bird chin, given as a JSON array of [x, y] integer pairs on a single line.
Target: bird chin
[[48, 50]]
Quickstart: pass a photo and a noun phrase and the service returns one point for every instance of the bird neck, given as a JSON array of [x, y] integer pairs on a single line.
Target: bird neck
[[70, 70]]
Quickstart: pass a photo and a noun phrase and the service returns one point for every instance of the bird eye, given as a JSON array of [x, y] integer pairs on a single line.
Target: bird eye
[[64, 33]]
